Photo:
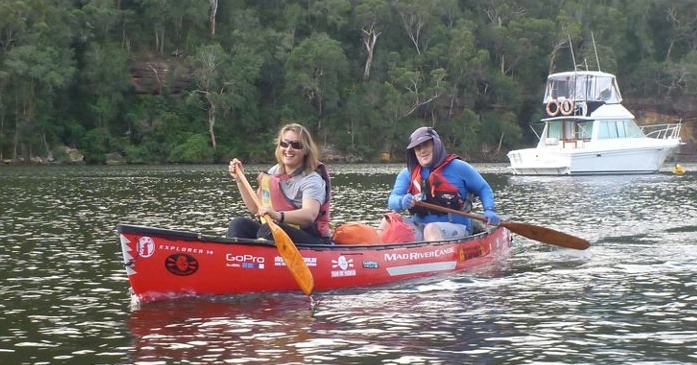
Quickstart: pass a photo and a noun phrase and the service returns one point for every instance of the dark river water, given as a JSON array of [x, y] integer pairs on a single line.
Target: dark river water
[[629, 299]]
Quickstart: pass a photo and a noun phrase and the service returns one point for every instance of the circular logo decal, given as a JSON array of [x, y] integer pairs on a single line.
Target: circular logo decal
[[181, 264], [146, 247], [343, 263]]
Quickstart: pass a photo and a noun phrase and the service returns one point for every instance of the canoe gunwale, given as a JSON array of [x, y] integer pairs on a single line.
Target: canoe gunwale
[[124, 228]]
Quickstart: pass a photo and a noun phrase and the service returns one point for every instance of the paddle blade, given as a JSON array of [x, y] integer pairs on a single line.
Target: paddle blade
[[294, 261], [285, 246], [546, 235]]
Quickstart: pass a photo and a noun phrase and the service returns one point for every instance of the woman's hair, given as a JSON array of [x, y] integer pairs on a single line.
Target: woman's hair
[[311, 161]]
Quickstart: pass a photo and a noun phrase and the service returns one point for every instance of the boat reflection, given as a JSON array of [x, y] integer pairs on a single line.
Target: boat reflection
[[440, 315], [210, 329], [629, 205]]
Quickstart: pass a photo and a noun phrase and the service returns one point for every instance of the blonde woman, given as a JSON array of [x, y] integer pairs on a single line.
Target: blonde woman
[[295, 192]]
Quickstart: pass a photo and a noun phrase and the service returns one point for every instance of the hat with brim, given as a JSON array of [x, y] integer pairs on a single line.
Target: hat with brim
[[420, 136]]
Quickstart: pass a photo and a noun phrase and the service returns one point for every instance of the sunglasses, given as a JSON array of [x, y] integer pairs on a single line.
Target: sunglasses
[[295, 144]]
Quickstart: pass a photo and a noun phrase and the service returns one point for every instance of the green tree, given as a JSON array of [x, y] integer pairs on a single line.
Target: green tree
[[315, 71], [106, 79], [223, 82], [195, 150], [373, 17], [36, 74]]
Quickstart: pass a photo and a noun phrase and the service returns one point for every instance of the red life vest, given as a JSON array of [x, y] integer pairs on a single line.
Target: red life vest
[[272, 193], [437, 190]]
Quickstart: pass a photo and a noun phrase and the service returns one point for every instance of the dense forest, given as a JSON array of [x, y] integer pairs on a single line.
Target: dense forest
[[194, 81]]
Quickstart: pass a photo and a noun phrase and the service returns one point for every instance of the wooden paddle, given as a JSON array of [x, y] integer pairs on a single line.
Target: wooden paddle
[[294, 261], [537, 233]]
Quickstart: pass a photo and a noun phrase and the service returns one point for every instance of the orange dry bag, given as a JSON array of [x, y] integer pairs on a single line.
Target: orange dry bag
[[356, 234], [397, 231]]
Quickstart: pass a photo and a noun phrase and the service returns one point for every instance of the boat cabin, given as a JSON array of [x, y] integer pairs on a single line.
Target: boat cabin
[[580, 92], [575, 132]]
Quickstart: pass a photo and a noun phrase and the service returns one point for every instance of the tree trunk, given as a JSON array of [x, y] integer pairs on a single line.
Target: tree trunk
[[211, 122], [413, 25], [498, 148], [162, 41], [369, 40], [553, 58], [49, 154], [211, 19], [15, 140], [319, 111], [353, 133], [2, 131]]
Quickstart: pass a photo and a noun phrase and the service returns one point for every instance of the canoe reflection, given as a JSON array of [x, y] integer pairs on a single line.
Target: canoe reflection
[[256, 328], [427, 320]]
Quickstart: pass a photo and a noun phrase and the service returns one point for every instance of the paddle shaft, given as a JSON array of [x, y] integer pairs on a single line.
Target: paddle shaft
[[285, 245], [537, 233]]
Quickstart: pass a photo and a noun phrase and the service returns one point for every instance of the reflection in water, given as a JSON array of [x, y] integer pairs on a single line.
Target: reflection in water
[[630, 298], [439, 325], [246, 329], [603, 207]]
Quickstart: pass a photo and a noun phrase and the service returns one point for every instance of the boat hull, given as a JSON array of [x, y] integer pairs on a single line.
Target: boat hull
[[587, 160], [164, 264], [593, 134]]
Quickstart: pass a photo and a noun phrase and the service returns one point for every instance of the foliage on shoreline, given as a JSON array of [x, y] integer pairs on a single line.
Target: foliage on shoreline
[[174, 81]]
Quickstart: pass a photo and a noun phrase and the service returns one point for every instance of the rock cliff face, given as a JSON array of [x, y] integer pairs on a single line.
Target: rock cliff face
[[686, 113], [157, 77]]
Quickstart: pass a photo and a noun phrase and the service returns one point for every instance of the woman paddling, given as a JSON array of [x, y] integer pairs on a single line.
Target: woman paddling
[[295, 192]]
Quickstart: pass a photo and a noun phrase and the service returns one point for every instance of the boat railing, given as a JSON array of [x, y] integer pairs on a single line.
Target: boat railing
[[662, 131]]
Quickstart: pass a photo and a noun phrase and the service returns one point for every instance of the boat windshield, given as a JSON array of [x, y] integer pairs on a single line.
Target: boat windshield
[[585, 130], [555, 130], [568, 130], [625, 128], [583, 86]]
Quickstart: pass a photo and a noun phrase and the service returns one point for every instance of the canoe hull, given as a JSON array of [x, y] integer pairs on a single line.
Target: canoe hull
[[163, 263]]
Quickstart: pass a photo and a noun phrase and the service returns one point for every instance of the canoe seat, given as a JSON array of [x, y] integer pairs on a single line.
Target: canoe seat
[[477, 227]]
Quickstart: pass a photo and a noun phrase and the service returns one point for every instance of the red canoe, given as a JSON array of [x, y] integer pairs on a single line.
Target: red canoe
[[164, 263]]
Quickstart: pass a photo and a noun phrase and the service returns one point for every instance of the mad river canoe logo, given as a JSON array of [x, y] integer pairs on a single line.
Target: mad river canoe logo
[[344, 266]]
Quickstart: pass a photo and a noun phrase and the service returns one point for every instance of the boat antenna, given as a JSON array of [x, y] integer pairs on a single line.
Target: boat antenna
[[571, 46], [595, 49]]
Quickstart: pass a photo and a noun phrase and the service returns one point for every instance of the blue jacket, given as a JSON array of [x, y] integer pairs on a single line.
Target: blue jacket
[[459, 173]]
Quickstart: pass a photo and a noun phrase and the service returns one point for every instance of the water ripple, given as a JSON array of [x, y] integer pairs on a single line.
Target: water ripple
[[630, 298]]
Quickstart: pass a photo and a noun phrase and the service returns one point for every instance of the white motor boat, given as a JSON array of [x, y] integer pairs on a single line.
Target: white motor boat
[[588, 131]]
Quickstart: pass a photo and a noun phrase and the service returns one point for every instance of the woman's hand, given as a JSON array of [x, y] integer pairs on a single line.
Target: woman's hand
[[271, 212], [235, 166]]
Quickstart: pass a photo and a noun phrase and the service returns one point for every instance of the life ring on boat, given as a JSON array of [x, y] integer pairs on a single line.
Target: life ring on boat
[[566, 106], [553, 108]]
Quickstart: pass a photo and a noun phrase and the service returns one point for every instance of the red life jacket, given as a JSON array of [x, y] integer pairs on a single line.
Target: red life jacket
[[437, 190], [272, 194]]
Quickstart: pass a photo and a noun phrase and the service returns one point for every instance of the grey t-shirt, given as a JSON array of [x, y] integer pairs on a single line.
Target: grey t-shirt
[[302, 186]]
